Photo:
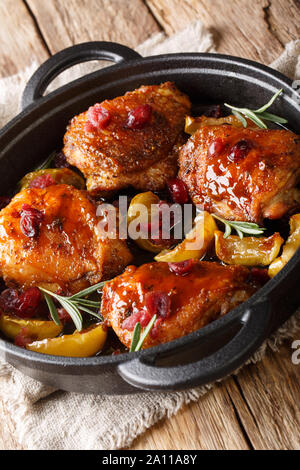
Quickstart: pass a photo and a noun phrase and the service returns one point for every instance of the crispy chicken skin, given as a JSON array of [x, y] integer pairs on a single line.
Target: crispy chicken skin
[[68, 252], [249, 187], [117, 157], [207, 292]]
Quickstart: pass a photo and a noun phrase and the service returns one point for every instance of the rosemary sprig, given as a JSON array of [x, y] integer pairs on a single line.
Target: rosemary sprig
[[258, 116], [74, 304], [241, 228], [46, 164], [138, 338]]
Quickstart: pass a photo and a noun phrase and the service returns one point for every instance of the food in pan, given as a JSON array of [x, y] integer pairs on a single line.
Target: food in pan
[[58, 260], [184, 297], [49, 238], [78, 344], [246, 174], [50, 176], [132, 140], [290, 247]]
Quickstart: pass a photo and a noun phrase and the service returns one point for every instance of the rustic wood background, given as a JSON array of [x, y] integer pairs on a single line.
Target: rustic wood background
[[259, 409]]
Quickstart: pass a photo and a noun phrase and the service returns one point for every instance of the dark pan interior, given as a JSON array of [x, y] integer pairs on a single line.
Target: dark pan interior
[[204, 79], [36, 132]]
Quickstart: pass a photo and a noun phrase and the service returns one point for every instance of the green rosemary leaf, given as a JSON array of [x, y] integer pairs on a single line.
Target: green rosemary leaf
[[52, 294], [89, 311], [239, 232], [88, 290], [74, 313], [258, 115], [241, 228], [273, 118], [252, 116], [249, 231], [76, 303], [88, 303], [47, 162], [269, 103], [135, 337], [227, 230], [145, 333], [240, 117], [240, 223], [52, 309]]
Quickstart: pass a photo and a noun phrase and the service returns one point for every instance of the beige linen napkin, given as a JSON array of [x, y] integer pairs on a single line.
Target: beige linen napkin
[[49, 419]]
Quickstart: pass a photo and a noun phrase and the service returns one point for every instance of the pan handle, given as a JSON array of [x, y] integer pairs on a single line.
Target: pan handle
[[96, 50], [142, 373]]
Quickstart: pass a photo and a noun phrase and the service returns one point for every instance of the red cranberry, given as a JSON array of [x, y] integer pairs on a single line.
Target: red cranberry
[[98, 117], [158, 303], [260, 276], [239, 150], [22, 339], [89, 127], [9, 300], [42, 181], [60, 161], [155, 328], [215, 148], [182, 267], [29, 302], [30, 221], [145, 317], [130, 322], [4, 201], [63, 315], [178, 191], [214, 111], [139, 117]]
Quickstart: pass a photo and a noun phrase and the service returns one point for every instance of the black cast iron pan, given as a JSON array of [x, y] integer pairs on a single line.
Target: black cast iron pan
[[224, 345]]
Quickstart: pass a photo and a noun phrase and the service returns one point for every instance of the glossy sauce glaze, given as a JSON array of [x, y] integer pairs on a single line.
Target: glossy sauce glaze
[[128, 146], [242, 173], [196, 298], [65, 251]]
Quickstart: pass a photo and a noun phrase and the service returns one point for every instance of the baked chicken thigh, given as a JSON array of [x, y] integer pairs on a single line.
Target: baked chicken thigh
[[183, 304], [131, 140], [242, 173], [49, 238]]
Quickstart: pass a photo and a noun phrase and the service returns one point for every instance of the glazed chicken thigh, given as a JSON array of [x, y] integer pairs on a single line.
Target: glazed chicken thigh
[[245, 174], [131, 140], [49, 238], [183, 304]]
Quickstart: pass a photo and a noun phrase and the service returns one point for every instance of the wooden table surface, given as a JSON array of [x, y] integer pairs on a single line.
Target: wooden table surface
[[259, 409]]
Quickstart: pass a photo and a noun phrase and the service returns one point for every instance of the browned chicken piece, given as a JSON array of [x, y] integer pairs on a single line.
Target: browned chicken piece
[[49, 238], [183, 303], [242, 173], [132, 140]]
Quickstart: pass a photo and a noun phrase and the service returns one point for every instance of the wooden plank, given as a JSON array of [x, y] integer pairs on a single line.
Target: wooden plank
[[259, 409], [255, 410], [240, 27], [64, 23], [267, 398], [20, 42], [210, 423], [283, 18]]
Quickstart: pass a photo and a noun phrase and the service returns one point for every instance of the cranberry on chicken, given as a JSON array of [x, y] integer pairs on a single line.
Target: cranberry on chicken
[[185, 298], [49, 238], [245, 174], [132, 140]]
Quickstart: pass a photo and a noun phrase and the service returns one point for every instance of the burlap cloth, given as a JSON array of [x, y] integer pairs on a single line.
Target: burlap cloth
[[49, 419]]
